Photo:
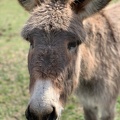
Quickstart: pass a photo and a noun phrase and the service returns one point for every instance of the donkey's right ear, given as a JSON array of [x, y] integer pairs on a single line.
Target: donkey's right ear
[[29, 5]]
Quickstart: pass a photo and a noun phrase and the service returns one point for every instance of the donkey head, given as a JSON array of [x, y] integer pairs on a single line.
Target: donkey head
[[55, 32]]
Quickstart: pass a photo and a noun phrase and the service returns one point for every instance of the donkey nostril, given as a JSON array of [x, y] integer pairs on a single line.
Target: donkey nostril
[[53, 115], [50, 116], [30, 115]]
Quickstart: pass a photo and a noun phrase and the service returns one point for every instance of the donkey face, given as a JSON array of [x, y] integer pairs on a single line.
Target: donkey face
[[55, 32], [53, 71]]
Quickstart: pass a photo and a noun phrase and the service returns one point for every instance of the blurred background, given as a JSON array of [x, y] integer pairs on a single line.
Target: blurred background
[[14, 78]]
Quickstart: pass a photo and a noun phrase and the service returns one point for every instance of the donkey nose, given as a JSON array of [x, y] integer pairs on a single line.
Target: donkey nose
[[44, 115]]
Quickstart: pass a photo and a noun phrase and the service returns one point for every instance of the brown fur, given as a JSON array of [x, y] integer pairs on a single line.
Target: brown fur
[[52, 28], [99, 81]]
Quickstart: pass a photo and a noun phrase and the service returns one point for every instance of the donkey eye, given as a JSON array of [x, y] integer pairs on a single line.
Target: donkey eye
[[73, 45], [31, 44]]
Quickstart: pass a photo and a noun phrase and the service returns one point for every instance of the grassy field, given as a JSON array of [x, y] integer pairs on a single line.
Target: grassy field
[[14, 79]]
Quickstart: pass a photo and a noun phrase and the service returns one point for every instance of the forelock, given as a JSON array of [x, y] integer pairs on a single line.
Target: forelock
[[52, 16]]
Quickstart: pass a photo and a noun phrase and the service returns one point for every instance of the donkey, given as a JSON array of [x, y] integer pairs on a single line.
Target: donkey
[[74, 45]]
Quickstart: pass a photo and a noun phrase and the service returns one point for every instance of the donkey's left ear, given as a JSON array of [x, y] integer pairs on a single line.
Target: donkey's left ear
[[86, 8], [29, 5]]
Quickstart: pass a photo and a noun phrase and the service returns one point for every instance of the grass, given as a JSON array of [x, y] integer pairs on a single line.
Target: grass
[[14, 78]]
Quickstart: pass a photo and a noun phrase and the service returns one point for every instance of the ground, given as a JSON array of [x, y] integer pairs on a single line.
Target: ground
[[14, 79]]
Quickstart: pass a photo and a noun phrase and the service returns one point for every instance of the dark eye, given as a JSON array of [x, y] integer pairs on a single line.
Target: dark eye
[[31, 44], [30, 39], [72, 45], [79, 1]]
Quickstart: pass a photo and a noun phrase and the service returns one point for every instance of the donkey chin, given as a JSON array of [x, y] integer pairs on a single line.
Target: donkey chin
[[44, 102]]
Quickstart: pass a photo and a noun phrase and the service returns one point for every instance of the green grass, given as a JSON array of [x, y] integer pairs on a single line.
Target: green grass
[[14, 78]]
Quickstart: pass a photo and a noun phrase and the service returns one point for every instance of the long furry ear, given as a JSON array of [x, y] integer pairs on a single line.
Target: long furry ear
[[86, 8], [29, 5]]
